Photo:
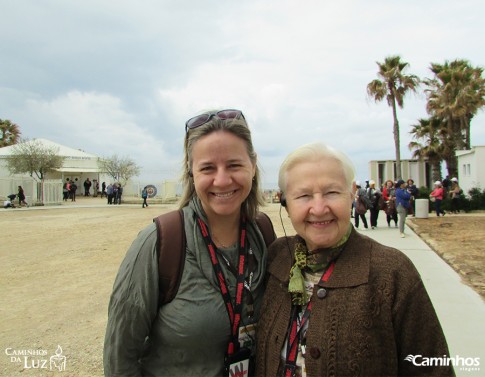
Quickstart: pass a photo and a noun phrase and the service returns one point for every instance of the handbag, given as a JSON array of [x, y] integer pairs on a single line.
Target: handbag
[[382, 203], [360, 207], [432, 198]]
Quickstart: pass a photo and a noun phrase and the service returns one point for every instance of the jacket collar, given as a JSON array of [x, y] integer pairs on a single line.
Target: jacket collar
[[351, 268]]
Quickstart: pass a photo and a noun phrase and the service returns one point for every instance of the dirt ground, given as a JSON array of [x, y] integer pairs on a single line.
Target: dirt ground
[[459, 240], [57, 267]]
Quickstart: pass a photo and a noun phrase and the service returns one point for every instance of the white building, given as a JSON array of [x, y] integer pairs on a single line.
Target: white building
[[78, 165], [419, 171], [471, 168]]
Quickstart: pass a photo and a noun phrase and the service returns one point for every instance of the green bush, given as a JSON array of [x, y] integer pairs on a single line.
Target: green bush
[[475, 201]]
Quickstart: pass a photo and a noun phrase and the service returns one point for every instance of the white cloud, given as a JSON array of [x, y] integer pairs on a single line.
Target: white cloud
[[124, 76]]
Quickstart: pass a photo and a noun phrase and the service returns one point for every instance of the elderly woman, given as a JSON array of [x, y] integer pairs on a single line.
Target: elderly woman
[[338, 303]]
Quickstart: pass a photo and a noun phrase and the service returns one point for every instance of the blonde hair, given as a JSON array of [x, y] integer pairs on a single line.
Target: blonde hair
[[237, 127], [315, 152]]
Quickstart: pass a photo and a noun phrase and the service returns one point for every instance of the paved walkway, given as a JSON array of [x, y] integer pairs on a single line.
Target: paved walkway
[[460, 309]]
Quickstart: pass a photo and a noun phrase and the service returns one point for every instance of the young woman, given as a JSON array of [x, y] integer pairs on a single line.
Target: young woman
[[206, 326]]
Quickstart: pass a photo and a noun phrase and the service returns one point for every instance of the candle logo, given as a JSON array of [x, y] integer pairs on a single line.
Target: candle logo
[[58, 361]]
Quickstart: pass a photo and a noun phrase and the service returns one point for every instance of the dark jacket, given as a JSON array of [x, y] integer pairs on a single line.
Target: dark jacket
[[376, 313]]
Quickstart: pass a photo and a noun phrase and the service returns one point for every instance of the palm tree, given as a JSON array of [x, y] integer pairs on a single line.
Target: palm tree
[[393, 85], [429, 134], [455, 94], [9, 133]]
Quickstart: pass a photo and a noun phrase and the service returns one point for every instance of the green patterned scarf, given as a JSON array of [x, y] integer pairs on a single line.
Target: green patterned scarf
[[317, 260]]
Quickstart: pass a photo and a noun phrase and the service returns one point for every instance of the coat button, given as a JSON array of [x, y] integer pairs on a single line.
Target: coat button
[[314, 353], [321, 293]]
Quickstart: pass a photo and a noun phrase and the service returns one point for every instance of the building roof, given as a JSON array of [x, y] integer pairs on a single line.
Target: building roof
[[63, 150]]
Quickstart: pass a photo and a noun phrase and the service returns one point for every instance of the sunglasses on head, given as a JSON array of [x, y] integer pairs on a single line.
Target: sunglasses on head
[[202, 119]]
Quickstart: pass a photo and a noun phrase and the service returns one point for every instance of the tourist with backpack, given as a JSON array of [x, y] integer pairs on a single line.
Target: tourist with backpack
[[199, 321], [144, 195]]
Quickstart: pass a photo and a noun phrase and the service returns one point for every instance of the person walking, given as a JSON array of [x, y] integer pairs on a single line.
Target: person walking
[[360, 194], [144, 195], [206, 329], [21, 196], [438, 194], [403, 198], [373, 194], [389, 195]]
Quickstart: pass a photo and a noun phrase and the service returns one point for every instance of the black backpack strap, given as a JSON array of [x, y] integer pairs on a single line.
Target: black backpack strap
[[171, 246], [266, 227]]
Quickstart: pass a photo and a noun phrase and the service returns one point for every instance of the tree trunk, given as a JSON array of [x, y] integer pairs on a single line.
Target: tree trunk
[[452, 165], [396, 140], [436, 170]]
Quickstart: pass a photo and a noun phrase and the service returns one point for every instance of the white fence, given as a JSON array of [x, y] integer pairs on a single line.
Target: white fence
[[49, 192]]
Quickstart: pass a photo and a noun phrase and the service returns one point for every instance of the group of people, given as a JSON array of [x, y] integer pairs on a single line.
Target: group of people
[[452, 189], [397, 199], [69, 189], [114, 191], [9, 202], [327, 301]]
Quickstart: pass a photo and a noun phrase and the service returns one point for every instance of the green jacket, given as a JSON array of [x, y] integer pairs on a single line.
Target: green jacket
[[188, 336], [375, 314]]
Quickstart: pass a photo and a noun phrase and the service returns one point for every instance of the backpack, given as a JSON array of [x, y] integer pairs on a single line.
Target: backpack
[[171, 249]]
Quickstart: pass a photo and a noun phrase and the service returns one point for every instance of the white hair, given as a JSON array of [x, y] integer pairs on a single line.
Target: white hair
[[316, 152]]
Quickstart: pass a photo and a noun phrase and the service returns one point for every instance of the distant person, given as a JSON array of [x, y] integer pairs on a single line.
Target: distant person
[[109, 193], [455, 193], [403, 198], [95, 188], [118, 193], [103, 189], [438, 194], [87, 187], [446, 184], [115, 193], [413, 190], [21, 196], [373, 194], [73, 189], [9, 202], [144, 195], [360, 193], [389, 195], [65, 190]]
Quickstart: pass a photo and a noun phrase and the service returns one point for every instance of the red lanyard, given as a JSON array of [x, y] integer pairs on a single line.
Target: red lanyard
[[234, 313], [296, 328]]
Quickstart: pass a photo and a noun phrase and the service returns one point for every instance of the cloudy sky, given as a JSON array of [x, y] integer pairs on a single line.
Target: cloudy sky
[[123, 76]]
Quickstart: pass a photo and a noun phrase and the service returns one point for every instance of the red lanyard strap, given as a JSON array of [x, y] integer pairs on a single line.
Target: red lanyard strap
[[295, 329], [234, 313], [247, 282]]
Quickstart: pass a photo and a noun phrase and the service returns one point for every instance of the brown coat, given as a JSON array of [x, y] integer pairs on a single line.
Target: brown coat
[[375, 314]]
